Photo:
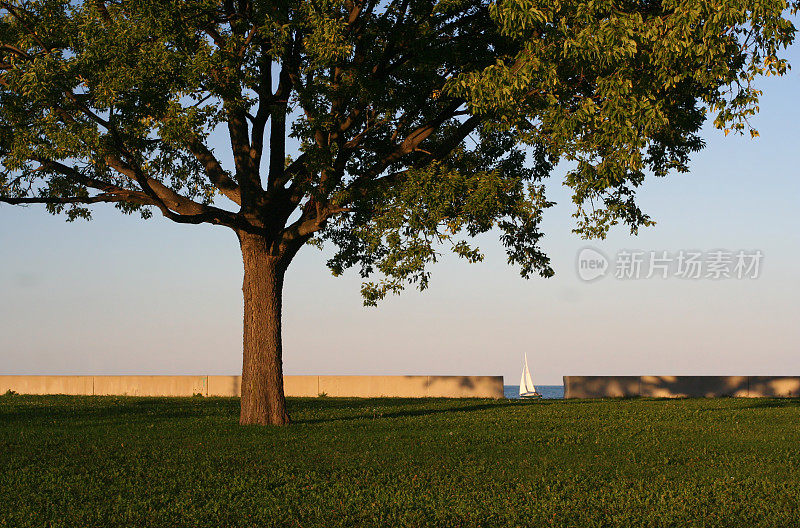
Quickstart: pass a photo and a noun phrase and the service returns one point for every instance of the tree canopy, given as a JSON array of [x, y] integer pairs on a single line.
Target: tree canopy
[[421, 123]]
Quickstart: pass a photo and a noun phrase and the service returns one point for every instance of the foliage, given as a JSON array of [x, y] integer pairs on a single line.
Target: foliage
[[621, 88], [112, 461], [421, 123]]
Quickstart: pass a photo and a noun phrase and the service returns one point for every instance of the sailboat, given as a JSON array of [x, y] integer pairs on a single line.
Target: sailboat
[[526, 388]]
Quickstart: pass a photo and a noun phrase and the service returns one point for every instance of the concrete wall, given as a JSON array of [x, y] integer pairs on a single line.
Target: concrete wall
[[774, 386], [150, 385], [74, 385], [311, 386], [681, 386], [601, 386]]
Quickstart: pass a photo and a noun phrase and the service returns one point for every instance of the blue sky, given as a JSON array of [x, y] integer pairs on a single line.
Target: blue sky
[[123, 296]]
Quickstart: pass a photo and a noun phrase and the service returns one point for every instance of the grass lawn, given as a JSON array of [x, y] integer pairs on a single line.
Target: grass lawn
[[110, 461]]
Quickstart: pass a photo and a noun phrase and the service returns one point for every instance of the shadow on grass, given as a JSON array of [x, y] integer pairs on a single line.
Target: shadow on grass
[[388, 408], [37, 408], [770, 403], [87, 409], [379, 409]]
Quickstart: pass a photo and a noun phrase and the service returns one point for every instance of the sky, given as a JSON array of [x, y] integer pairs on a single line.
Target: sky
[[119, 295]]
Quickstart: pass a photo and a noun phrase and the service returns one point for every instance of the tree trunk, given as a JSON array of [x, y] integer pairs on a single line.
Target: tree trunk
[[263, 401]]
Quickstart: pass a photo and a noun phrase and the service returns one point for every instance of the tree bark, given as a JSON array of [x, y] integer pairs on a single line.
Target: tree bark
[[263, 401]]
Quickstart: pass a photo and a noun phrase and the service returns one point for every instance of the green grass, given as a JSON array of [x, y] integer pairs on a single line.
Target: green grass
[[106, 461]]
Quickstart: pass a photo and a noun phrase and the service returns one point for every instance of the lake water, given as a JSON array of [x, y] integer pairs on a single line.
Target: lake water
[[551, 392]]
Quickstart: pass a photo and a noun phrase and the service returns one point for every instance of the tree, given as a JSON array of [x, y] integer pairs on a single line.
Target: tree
[[420, 123]]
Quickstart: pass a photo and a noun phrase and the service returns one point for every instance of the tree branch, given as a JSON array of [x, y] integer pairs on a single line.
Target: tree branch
[[358, 186], [56, 200], [76, 176], [411, 142], [174, 206], [216, 174], [277, 110]]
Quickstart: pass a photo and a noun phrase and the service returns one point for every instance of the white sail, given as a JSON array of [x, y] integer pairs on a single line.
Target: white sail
[[526, 386], [522, 387]]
